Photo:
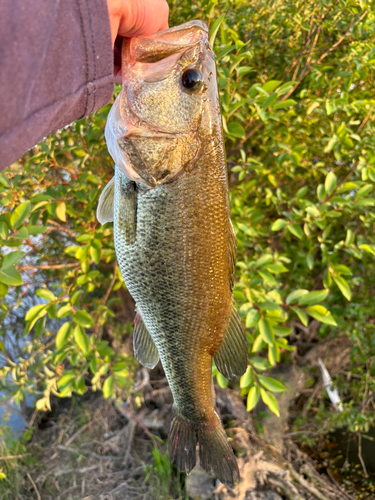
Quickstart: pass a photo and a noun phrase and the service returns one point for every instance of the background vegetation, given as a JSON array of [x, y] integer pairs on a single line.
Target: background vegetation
[[297, 86]]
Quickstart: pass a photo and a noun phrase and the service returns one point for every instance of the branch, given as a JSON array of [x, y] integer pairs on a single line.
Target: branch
[[308, 65], [52, 266]]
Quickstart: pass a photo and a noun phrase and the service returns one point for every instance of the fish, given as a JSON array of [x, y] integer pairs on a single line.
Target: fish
[[174, 240]]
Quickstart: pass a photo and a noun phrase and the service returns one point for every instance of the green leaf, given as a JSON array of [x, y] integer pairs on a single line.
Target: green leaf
[[278, 224], [20, 214], [312, 210], [321, 314], [285, 104], [244, 70], [214, 29], [4, 230], [66, 380], [221, 380], [272, 404], [3, 289], [4, 181], [34, 311], [259, 344], [10, 277], [269, 100], [22, 233], [252, 398], [271, 384], [44, 293], [341, 269], [296, 230], [61, 211], [364, 191], [295, 295], [276, 269], [64, 311], [81, 339], [34, 314], [310, 261], [367, 248], [95, 254], [301, 315], [260, 364], [266, 331], [83, 318], [252, 318], [330, 183], [282, 331], [33, 230], [264, 260], [12, 258], [271, 85], [343, 286], [108, 387], [247, 379], [224, 51], [236, 130], [313, 297], [63, 335]]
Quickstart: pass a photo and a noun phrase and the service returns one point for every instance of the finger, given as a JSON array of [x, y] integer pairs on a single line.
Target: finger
[[144, 17]]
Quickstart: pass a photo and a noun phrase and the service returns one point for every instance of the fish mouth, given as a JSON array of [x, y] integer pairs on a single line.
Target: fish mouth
[[163, 44]]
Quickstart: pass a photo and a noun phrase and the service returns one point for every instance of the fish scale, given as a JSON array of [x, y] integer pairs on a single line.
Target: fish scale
[[177, 271], [174, 240]]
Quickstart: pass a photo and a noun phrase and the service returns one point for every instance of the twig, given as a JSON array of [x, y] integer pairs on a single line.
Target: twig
[[131, 425], [76, 434], [128, 413], [87, 452], [11, 457], [32, 420], [34, 486], [309, 487], [360, 454], [307, 67], [105, 298], [343, 492], [52, 266], [76, 471]]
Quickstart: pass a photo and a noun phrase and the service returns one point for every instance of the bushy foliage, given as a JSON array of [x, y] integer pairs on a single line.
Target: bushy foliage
[[296, 82]]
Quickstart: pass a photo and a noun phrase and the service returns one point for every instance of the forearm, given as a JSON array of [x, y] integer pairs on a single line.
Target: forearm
[[56, 66]]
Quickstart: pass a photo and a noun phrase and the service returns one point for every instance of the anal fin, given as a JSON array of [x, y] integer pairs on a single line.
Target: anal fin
[[231, 357], [144, 348]]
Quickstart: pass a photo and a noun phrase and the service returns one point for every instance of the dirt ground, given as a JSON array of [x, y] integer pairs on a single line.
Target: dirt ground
[[92, 449]]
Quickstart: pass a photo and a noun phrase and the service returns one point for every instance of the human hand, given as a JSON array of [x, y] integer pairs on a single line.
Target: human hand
[[130, 18]]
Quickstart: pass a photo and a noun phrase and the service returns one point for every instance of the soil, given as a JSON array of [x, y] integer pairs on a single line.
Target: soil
[[92, 449]]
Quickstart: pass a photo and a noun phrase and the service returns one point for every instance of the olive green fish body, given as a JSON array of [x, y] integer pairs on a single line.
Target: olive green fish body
[[173, 236], [178, 272]]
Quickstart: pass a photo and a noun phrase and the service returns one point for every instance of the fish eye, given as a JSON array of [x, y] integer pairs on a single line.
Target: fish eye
[[191, 79]]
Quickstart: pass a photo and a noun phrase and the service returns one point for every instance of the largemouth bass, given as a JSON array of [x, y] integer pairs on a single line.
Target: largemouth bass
[[174, 240]]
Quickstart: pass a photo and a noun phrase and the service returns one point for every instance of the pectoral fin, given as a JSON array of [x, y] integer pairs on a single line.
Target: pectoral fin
[[126, 208], [104, 212], [231, 357], [144, 348]]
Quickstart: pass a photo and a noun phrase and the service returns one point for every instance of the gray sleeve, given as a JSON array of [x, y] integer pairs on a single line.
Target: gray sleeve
[[56, 66]]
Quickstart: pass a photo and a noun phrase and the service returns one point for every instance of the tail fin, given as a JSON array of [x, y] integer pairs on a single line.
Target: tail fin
[[215, 454]]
